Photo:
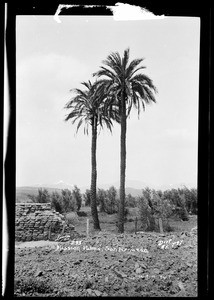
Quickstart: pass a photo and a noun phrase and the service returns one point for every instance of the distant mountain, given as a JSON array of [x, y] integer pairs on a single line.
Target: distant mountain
[[58, 185], [130, 184], [133, 187], [133, 192], [23, 192]]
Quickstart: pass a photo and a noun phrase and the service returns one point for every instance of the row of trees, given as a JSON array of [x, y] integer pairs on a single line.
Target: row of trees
[[63, 202], [153, 206], [160, 206], [179, 199], [117, 88], [107, 200], [182, 201]]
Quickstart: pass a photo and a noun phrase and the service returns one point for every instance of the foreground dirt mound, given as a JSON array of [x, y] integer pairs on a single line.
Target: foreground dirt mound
[[142, 264]]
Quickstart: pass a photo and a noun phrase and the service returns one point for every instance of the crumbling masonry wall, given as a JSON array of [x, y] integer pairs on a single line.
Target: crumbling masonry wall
[[37, 221]]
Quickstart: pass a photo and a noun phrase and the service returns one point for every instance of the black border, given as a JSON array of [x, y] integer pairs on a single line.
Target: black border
[[204, 149]]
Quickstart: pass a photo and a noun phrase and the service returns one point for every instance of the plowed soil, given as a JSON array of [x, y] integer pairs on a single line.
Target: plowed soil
[[108, 264]]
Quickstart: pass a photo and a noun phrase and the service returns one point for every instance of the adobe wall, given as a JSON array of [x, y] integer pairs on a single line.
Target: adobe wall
[[37, 221]]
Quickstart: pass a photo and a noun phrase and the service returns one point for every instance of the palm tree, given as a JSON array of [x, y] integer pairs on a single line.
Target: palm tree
[[125, 87], [88, 108]]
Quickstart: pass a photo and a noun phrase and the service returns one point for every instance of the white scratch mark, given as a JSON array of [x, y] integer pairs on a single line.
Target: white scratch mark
[[61, 6], [121, 12], [58, 11]]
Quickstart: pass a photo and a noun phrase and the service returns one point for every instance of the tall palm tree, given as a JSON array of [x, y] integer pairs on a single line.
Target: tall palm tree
[[88, 108], [125, 87]]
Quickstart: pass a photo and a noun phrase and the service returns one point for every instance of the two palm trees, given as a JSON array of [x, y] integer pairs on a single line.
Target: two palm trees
[[118, 88]]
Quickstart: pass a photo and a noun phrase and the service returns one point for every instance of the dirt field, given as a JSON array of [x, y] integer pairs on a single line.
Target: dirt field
[[109, 264]]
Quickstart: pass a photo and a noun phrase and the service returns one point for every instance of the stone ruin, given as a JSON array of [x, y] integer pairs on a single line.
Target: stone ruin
[[37, 221]]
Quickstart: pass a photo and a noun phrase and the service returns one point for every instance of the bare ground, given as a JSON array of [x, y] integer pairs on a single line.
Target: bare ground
[[110, 264]]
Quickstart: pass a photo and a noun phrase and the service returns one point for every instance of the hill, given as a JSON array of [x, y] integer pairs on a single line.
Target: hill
[[23, 192]]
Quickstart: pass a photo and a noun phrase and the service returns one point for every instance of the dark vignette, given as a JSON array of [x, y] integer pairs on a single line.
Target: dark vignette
[[204, 146]]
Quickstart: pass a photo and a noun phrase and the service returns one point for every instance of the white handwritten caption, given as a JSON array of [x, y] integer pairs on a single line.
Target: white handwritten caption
[[169, 244], [76, 246]]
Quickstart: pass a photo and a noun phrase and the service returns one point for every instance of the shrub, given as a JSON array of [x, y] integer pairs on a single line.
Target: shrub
[[146, 210], [87, 197], [183, 214], [147, 222], [56, 202], [31, 285], [77, 197], [131, 201], [107, 200], [101, 199], [42, 197], [190, 199], [68, 201], [111, 202], [153, 206]]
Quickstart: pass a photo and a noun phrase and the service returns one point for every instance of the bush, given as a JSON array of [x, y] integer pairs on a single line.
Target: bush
[[131, 201], [77, 197], [183, 214], [87, 197], [42, 197], [153, 206], [111, 202], [31, 285], [56, 202], [190, 196], [107, 200], [185, 201], [147, 222], [68, 201], [101, 199]]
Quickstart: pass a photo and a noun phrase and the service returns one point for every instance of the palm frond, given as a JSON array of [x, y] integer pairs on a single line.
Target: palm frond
[[131, 73], [79, 124], [133, 64], [80, 92], [91, 104], [125, 59], [144, 79], [70, 116], [88, 84], [105, 72], [149, 95], [113, 61]]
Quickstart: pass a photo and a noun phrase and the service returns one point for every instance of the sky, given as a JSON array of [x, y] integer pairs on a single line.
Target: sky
[[52, 58]]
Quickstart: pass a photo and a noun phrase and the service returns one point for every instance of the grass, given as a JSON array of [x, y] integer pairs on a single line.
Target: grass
[[107, 222]]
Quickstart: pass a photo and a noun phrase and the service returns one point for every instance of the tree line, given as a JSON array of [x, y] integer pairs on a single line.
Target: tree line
[[151, 205], [63, 201], [157, 207], [118, 87]]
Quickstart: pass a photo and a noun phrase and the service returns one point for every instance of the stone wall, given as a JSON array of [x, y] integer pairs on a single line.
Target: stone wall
[[37, 221]]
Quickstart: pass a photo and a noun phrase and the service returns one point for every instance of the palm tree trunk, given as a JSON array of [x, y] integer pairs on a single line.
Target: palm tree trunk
[[94, 177], [122, 166]]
